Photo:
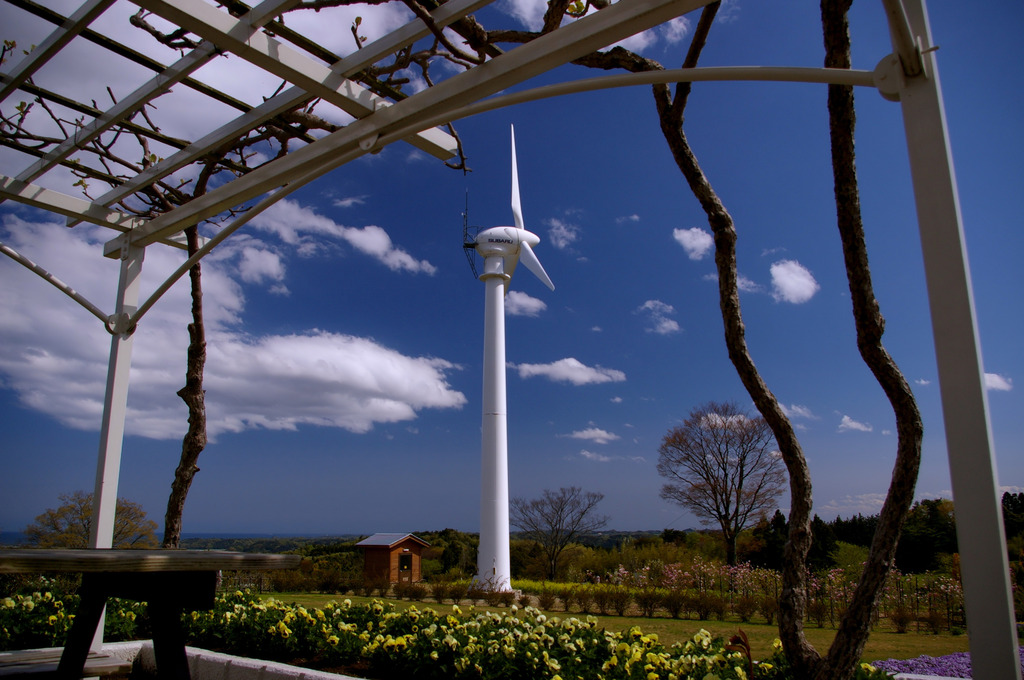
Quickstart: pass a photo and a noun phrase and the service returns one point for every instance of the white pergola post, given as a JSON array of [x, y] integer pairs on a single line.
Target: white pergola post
[[115, 401], [984, 565]]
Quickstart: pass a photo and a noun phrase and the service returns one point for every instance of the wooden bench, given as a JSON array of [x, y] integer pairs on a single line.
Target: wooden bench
[[169, 581]]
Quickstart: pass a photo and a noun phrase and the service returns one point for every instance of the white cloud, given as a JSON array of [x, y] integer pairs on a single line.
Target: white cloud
[[718, 421], [257, 265], [601, 458], [865, 504], [675, 30], [616, 400], [797, 411], [848, 423], [728, 12], [349, 201], [746, 285], [922, 382], [521, 304], [562, 233], [282, 381], [792, 282], [671, 32], [994, 381], [570, 370], [658, 312], [594, 434], [627, 218], [302, 227], [695, 241], [531, 14], [743, 283], [53, 354], [656, 307], [590, 455]]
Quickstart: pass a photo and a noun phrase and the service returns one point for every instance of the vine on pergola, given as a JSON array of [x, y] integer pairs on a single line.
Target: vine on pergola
[[466, 44]]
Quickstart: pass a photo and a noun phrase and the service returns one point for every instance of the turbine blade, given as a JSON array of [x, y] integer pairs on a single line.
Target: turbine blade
[[510, 265], [517, 208], [529, 259], [510, 269]]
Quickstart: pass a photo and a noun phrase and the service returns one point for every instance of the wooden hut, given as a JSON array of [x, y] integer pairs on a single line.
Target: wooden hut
[[397, 555]]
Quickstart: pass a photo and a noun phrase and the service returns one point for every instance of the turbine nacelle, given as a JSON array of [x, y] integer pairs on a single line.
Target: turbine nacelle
[[504, 241], [510, 243]]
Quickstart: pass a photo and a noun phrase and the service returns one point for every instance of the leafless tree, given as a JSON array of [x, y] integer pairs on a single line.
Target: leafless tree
[[723, 466], [556, 519]]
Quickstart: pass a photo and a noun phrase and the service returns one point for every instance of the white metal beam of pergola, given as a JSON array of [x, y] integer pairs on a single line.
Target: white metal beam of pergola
[[909, 76]]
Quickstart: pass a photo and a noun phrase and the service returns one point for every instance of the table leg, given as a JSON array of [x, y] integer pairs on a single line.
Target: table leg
[[168, 638], [92, 599]]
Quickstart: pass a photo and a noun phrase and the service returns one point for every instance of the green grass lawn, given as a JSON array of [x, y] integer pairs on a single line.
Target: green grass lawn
[[881, 644]]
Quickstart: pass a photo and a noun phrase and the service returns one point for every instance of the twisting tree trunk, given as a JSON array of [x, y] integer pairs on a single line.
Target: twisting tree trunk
[[853, 630], [192, 394], [793, 599]]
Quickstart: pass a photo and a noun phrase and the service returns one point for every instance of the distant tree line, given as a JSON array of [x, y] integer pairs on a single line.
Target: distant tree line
[[927, 544]]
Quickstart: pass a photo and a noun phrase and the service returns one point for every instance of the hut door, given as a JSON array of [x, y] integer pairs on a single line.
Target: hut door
[[405, 568]]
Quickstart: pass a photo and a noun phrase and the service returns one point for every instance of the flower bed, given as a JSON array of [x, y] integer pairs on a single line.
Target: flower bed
[[950, 666], [376, 641]]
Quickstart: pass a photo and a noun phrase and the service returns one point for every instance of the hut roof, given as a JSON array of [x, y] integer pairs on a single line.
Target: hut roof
[[388, 540]]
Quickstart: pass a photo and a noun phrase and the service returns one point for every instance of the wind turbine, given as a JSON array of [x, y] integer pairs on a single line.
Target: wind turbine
[[501, 249]]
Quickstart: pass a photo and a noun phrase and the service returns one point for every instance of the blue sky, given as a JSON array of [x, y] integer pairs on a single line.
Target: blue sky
[[345, 327]]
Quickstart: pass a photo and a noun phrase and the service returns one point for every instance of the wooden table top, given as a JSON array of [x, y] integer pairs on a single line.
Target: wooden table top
[[107, 560]]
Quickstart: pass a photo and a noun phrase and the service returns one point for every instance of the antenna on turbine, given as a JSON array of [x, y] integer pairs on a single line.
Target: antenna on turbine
[[469, 239]]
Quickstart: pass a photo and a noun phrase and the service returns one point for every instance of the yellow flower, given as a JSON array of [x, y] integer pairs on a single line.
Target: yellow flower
[[868, 667]]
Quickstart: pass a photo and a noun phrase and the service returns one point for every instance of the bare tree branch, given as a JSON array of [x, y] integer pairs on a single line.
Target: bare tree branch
[[721, 465], [556, 519]]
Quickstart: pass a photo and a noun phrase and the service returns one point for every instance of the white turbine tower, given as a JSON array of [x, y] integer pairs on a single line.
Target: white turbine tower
[[501, 248]]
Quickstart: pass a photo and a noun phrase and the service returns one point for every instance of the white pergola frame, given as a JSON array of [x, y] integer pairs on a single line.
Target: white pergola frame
[[909, 76]]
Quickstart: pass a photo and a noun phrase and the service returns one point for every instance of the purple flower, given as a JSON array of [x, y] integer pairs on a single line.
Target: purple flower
[[956, 665]]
